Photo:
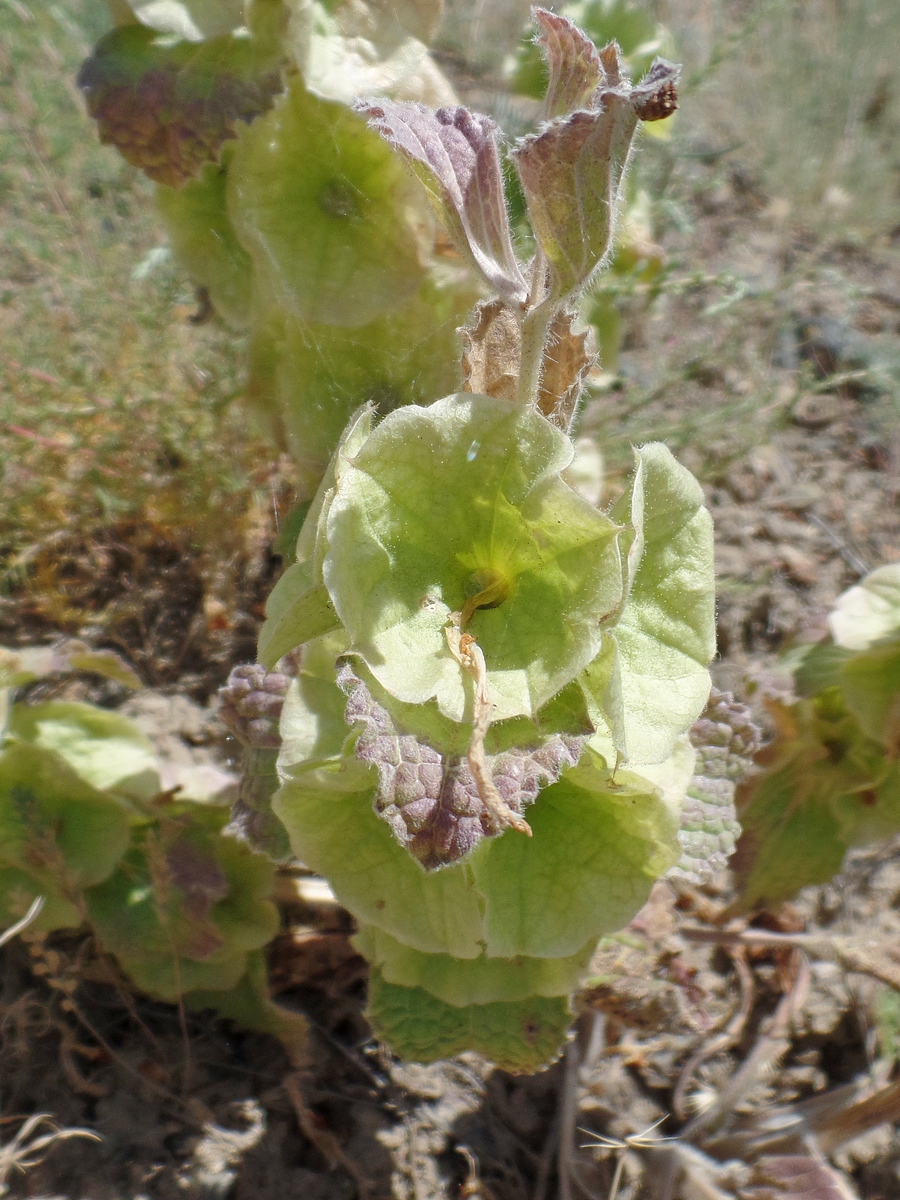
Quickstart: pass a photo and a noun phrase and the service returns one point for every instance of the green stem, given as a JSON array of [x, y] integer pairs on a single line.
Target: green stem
[[534, 335], [542, 306]]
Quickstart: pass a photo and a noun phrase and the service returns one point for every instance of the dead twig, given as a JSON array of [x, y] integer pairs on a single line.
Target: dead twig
[[769, 1048], [729, 1035], [853, 954], [469, 655], [323, 1139]]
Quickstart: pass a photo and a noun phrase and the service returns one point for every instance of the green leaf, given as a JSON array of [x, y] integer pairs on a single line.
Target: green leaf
[[791, 836], [24, 665], [871, 811], [57, 834], [826, 787], [436, 500], [313, 729], [105, 749], [311, 539], [297, 611], [62, 908], [311, 377], [184, 910], [651, 679], [327, 213], [869, 612], [299, 608], [522, 1036], [464, 981], [408, 356], [870, 685], [249, 1004], [815, 667], [339, 835], [599, 843], [204, 242]]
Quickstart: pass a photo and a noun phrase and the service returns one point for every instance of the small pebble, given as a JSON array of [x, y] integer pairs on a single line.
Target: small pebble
[[815, 411]]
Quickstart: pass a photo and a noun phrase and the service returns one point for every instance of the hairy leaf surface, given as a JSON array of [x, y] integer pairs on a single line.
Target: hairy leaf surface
[[454, 153]]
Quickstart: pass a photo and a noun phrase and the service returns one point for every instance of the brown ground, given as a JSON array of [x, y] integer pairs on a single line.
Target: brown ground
[[785, 403]]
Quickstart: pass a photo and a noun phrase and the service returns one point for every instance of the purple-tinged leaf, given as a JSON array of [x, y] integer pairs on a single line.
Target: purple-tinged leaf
[[252, 700], [251, 704], [726, 739], [430, 799], [572, 170], [454, 153], [573, 63], [168, 108], [194, 871]]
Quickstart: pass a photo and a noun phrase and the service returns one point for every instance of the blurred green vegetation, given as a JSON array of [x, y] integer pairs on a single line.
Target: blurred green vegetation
[[114, 404]]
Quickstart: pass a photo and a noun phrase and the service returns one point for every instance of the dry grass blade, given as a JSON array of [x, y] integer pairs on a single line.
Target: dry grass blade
[[22, 1153], [14, 930], [634, 1141]]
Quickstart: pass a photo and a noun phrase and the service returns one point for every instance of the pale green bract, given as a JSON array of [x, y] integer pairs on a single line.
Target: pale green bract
[[440, 497], [869, 612], [651, 681], [107, 750], [516, 921], [415, 517], [480, 980]]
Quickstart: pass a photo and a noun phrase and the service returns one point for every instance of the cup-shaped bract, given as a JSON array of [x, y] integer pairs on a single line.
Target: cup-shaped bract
[[441, 502], [204, 242], [456, 514], [335, 226], [650, 681], [511, 925], [321, 373]]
